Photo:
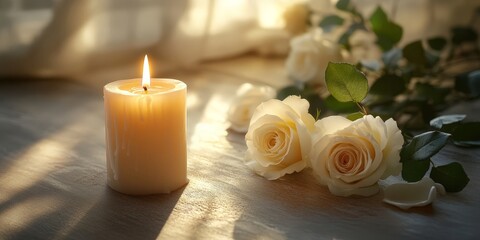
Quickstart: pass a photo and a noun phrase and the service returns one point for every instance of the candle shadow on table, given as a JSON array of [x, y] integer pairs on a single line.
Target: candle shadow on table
[[120, 216], [33, 109]]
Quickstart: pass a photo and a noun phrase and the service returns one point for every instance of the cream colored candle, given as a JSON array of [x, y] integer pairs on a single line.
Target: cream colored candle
[[145, 126]]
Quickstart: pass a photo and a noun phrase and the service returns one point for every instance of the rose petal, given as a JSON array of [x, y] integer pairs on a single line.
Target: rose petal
[[373, 126], [298, 105], [374, 166], [248, 97], [332, 124], [273, 107], [273, 172], [255, 135], [239, 115], [391, 152], [293, 151], [304, 138], [318, 159], [406, 195]]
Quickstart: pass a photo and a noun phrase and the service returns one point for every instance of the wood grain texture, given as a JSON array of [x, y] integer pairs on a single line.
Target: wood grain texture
[[52, 178]]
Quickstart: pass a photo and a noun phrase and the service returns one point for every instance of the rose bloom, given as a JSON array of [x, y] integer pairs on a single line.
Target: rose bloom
[[248, 97], [350, 157], [279, 137], [309, 57], [296, 18]]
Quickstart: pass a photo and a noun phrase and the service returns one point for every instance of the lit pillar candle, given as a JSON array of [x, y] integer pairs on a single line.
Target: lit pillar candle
[[145, 125]]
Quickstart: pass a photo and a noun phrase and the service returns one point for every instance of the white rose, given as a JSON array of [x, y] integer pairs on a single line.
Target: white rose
[[350, 157], [296, 18], [279, 137], [248, 97], [309, 57]]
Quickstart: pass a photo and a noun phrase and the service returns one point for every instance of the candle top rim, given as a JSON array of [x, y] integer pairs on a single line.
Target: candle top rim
[[133, 87]]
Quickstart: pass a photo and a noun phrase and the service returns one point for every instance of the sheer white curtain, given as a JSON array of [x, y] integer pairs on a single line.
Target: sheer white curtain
[[64, 37], [72, 36], [424, 18]]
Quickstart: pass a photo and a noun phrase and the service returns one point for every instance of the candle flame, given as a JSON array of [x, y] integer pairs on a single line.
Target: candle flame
[[146, 73]]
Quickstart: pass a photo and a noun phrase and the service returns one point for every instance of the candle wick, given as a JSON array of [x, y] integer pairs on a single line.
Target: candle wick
[[145, 88]]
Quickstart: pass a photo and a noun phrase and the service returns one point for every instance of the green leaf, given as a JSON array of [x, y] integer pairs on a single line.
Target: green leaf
[[432, 59], [437, 43], [413, 171], [343, 5], [339, 107], [347, 6], [407, 72], [407, 136], [330, 21], [464, 134], [287, 91], [378, 19], [415, 53], [468, 83], [385, 43], [424, 146], [463, 34], [451, 176], [389, 85], [467, 143], [416, 113], [394, 33], [354, 116], [469, 131], [374, 100], [388, 33], [345, 82], [438, 122], [474, 83], [435, 95]]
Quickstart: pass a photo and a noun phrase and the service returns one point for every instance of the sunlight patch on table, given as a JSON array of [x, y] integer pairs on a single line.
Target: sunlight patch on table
[[40, 159], [205, 211], [23, 214], [212, 123]]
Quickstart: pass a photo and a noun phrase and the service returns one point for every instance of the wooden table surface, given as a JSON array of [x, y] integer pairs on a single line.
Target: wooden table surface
[[53, 175]]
